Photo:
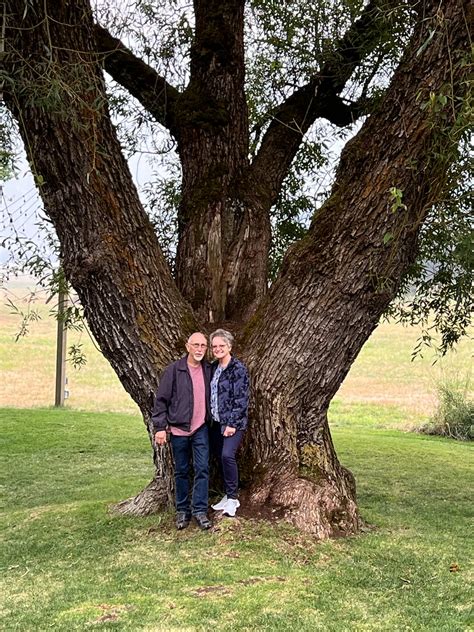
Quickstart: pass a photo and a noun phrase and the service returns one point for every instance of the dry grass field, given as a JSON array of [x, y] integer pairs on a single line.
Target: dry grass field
[[383, 374], [28, 366]]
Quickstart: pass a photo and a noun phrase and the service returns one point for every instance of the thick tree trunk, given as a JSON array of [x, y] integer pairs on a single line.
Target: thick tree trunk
[[109, 250], [336, 283], [218, 228]]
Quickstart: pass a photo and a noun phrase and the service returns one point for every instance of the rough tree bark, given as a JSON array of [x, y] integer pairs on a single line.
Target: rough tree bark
[[334, 284]]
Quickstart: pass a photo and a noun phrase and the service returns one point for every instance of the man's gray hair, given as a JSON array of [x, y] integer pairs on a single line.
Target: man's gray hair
[[222, 333]]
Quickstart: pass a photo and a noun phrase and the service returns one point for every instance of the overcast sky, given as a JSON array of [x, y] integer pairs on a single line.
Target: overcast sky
[[20, 202]]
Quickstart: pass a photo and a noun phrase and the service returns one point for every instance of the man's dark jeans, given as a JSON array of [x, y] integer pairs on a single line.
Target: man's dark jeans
[[198, 445]]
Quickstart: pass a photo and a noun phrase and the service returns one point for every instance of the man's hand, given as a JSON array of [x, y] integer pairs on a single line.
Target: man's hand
[[160, 437], [229, 431]]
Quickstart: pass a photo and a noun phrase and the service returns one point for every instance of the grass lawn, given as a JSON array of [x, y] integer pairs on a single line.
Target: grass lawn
[[67, 564]]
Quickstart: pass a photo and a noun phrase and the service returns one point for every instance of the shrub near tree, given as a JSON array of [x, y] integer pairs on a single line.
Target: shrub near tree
[[398, 68], [454, 414]]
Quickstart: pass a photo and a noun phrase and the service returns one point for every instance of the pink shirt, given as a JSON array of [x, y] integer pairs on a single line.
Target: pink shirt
[[199, 405]]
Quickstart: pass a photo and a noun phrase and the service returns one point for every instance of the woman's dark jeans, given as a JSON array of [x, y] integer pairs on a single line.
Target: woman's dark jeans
[[182, 447], [226, 449]]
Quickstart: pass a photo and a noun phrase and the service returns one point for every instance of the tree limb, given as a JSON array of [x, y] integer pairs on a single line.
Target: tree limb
[[319, 98], [156, 95], [336, 282], [109, 249]]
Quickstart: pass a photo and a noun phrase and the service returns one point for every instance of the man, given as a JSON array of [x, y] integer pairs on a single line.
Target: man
[[182, 405]]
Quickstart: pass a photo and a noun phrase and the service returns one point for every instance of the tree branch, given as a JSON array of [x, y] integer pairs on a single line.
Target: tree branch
[[319, 98], [336, 282], [156, 95]]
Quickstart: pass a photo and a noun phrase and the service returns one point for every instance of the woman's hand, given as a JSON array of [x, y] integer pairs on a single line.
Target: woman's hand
[[229, 431]]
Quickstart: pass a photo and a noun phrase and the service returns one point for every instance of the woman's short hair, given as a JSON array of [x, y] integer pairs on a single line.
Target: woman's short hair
[[222, 333]]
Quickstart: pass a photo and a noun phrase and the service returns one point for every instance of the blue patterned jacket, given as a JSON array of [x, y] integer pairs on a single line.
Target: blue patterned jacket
[[233, 394]]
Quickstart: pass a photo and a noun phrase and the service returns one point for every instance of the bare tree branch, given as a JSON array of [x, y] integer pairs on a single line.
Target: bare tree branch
[[156, 95], [319, 98]]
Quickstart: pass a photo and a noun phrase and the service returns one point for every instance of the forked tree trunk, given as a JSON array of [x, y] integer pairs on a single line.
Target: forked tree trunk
[[334, 284]]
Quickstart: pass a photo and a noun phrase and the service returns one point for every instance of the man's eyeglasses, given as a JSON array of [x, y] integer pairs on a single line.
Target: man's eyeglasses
[[197, 345]]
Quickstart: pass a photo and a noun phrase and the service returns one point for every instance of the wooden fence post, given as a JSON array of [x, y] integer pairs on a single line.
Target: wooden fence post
[[61, 351]]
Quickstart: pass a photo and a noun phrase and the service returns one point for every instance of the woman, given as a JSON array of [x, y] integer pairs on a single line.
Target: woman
[[229, 404]]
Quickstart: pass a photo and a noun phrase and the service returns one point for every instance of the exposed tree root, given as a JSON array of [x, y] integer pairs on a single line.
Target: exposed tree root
[[150, 500], [320, 507]]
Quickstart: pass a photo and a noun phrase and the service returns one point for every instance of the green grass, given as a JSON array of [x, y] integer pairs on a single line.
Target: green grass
[[370, 416], [68, 564]]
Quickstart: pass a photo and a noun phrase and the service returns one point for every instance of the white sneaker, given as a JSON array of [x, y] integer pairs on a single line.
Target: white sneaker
[[231, 507], [221, 504]]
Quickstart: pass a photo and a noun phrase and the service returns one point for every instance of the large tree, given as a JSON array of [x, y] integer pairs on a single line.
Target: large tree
[[299, 334]]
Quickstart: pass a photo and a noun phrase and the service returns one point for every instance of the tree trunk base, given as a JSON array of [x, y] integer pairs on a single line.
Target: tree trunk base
[[323, 508], [152, 499]]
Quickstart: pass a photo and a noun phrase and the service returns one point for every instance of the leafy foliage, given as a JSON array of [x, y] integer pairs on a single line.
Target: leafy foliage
[[437, 290], [304, 189], [7, 144], [30, 315], [162, 200], [77, 356]]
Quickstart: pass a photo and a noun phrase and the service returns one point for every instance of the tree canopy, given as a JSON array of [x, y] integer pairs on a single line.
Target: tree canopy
[[285, 46]]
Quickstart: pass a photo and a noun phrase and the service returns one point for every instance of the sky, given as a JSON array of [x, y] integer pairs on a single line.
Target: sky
[[21, 206]]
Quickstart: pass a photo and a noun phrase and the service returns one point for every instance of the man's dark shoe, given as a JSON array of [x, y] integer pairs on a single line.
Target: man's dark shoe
[[202, 521], [182, 520]]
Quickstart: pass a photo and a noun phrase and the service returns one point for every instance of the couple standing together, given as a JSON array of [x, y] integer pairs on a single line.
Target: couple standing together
[[203, 405]]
